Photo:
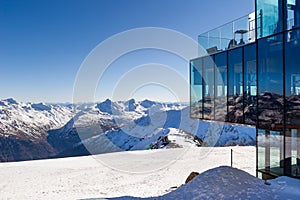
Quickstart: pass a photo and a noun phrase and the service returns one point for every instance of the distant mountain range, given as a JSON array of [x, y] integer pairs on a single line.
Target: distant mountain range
[[35, 131]]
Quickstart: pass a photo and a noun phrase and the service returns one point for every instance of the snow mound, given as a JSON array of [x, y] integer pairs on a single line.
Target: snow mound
[[220, 183], [287, 188], [223, 183]]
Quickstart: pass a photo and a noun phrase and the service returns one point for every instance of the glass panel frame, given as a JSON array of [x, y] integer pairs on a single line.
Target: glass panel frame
[[270, 83], [269, 17], [196, 86], [221, 87], [292, 14], [235, 86], [250, 85], [208, 87]]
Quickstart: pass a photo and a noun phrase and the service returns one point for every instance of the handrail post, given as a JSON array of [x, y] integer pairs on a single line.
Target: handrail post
[[231, 152]]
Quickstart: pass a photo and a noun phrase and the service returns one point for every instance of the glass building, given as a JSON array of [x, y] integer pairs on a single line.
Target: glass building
[[251, 76]]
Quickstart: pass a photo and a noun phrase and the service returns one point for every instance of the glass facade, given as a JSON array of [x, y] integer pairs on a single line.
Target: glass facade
[[269, 15], [208, 87], [196, 92], [229, 86], [250, 85], [292, 14], [270, 82], [259, 84], [235, 86], [233, 34], [221, 87], [292, 106]]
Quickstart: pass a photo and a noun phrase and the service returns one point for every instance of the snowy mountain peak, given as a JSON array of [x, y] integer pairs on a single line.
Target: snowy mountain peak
[[9, 101], [41, 107], [147, 103], [105, 106], [130, 105]]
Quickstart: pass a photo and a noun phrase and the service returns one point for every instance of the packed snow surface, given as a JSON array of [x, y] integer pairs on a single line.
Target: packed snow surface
[[136, 173], [153, 174]]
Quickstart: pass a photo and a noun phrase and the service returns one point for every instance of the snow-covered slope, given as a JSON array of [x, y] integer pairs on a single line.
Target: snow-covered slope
[[230, 183], [24, 126], [104, 176], [137, 173], [31, 120]]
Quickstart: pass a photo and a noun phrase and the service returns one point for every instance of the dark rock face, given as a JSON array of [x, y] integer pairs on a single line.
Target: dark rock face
[[143, 121], [147, 103], [11, 101], [78, 150], [191, 176], [41, 107], [18, 149], [105, 106], [63, 138], [130, 105]]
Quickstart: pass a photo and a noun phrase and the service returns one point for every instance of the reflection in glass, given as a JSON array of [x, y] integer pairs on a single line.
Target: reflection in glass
[[292, 78], [196, 88], [235, 86], [250, 87], [270, 83], [269, 17], [270, 152], [221, 87], [292, 97], [208, 83], [292, 152], [233, 34], [292, 14]]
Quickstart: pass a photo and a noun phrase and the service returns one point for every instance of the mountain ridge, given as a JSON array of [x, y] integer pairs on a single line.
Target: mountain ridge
[[39, 130]]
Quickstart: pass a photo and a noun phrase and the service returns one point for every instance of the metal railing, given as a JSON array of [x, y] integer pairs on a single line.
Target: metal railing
[[236, 33]]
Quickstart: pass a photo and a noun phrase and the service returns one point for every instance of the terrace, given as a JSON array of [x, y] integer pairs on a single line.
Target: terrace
[[236, 33]]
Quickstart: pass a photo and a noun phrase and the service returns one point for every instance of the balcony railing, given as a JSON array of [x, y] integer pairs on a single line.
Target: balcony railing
[[233, 34]]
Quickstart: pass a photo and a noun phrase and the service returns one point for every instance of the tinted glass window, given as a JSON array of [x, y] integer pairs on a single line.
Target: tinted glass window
[[196, 88], [221, 87], [208, 83], [292, 14], [292, 77], [270, 83], [250, 87], [269, 17], [235, 86]]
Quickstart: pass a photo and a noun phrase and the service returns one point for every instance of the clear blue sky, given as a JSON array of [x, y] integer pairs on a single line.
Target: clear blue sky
[[44, 42]]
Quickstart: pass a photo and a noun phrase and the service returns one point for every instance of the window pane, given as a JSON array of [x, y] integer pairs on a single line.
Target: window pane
[[292, 14], [269, 17], [250, 87], [270, 152], [221, 87], [292, 95], [235, 86], [292, 77], [292, 152], [270, 83], [208, 78], [196, 88]]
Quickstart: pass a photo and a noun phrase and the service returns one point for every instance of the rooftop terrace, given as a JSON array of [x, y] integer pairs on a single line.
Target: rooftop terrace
[[236, 33]]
